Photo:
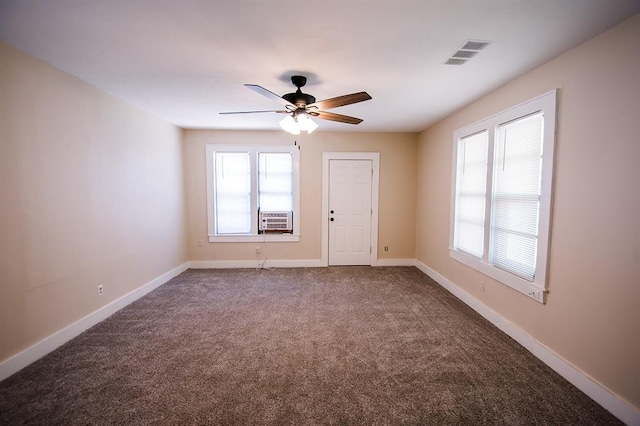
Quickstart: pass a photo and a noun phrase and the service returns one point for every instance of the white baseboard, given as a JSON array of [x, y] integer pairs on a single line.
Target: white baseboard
[[230, 264], [49, 344], [603, 396], [296, 263], [395, 262]]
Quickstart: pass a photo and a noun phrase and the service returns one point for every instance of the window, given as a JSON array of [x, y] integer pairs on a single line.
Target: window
[[243, 180], [502, 195], [471, 194]]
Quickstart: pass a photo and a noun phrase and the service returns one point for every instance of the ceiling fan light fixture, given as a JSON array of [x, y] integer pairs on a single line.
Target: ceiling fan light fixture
[[311, 126], [306, 124], [289, 125]]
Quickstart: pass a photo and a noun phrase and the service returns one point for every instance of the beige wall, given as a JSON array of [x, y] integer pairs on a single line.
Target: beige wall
[[592, 318], [91, 192], [397, 206]]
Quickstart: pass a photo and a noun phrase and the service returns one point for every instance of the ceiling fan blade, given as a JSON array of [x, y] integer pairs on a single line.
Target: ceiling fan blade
[[271, 95], [341, 100], [337, 117], [284, 111]]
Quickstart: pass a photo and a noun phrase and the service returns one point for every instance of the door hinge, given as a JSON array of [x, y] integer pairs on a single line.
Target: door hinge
[[370, 250]]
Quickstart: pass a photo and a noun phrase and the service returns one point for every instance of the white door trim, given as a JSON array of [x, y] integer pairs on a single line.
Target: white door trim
[[375, 188]]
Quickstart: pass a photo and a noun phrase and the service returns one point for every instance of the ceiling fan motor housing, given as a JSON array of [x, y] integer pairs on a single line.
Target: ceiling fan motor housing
[[298, 80], [298, 98]]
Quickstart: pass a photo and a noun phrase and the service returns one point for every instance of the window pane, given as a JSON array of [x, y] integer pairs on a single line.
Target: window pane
[[516, 195], [233, 193], [275, 185], [471, 180]]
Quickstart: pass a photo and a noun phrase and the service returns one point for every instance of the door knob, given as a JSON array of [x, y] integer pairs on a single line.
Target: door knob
[[331, 219], [331, 211]]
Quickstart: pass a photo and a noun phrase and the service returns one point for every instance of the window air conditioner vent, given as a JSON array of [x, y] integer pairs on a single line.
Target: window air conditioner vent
[[275, 221]]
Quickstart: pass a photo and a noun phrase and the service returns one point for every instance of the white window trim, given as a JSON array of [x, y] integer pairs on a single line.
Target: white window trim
[[211, 149], [537, 289]]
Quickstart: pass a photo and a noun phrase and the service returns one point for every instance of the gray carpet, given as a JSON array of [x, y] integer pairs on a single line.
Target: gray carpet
[[339, 345]]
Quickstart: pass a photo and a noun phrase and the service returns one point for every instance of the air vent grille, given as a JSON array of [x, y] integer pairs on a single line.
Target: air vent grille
[[468, 51], [464, 54], [454, 61], [475, 45]]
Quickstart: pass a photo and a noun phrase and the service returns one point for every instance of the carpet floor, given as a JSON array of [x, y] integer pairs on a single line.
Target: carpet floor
[[335, 346]]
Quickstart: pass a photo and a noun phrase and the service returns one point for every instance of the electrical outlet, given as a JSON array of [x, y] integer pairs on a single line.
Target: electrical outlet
[[386, 248], [100, 290], [199, 243], [536, 294], [258, 250], [482, 286]]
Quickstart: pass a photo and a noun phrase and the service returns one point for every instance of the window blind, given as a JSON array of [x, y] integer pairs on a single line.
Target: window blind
[[275, 183], [470, 200], [516, 195], [233, 193]]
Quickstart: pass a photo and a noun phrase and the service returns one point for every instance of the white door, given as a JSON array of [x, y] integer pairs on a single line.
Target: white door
[[350, 212]]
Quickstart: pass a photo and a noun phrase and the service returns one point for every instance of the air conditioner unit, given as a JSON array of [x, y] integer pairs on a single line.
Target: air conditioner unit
[[275, 221]]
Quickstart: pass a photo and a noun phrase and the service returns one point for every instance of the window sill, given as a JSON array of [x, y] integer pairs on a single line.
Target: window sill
[[521, 285], [281, 238]]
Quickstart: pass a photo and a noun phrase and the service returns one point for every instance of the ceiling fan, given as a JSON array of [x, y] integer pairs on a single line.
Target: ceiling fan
[[299, 107]]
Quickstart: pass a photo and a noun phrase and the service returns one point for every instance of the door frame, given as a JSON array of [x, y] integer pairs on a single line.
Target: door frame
[[374, 157]]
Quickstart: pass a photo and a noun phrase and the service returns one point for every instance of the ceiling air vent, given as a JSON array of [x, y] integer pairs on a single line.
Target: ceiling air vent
[[454, 61], [464, 54], [468, 51], [475, 45]]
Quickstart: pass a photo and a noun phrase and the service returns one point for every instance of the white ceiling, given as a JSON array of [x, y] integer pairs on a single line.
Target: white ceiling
[[187, 60]]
